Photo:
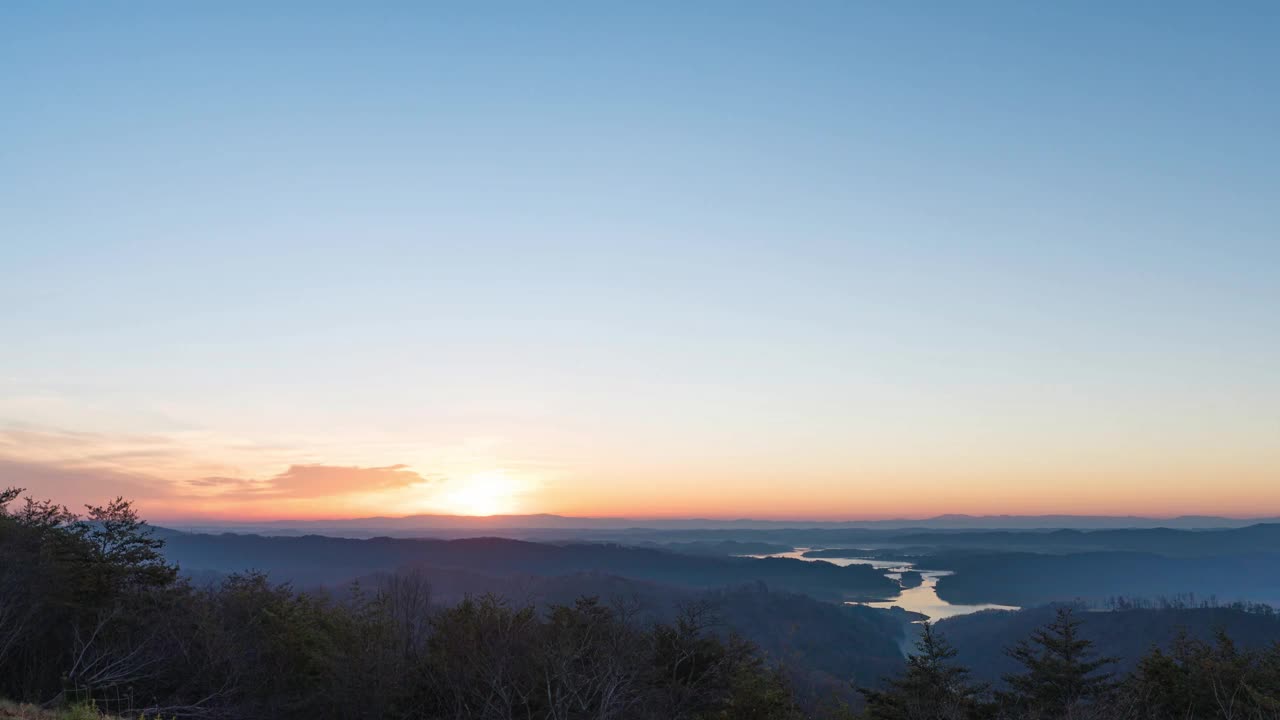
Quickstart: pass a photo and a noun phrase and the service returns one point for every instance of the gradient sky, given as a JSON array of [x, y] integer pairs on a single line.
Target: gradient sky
[[837, 260]]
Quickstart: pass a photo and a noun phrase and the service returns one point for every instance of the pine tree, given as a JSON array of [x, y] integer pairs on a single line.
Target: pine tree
[[932, 688], [1062, 671], [1194, 678]]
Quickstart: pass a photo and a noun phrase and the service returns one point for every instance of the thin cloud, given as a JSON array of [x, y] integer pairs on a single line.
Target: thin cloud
[[315, 481], [73, 486], [203, 473]]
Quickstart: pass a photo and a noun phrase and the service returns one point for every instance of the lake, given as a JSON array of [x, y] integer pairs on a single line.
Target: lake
[[922, 599]]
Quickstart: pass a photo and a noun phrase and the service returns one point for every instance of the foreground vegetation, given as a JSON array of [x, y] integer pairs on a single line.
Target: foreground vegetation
[[92, 614], [15, 711], [1060, 676]]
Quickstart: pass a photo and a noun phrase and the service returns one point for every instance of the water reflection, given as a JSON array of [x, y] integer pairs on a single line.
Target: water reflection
[[922, 599]]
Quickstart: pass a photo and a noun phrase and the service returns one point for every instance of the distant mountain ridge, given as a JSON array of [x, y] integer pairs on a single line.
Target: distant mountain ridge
[[412, 523], [315, 560], [1163, 540]]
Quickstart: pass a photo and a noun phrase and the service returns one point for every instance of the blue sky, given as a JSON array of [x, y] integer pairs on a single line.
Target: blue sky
[[1000, 255]]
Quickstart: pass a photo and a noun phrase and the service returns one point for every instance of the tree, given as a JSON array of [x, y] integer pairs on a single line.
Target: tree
[[480, 660], [932, 688], [125, 550], [1062, 673], [589, 662], [1203, 680], [77, 598]]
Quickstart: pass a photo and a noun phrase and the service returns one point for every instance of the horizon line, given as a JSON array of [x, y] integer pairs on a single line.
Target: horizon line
[[731, 519]]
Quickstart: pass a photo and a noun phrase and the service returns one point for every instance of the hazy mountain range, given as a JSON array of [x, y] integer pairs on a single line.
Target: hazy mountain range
[[358, 527]]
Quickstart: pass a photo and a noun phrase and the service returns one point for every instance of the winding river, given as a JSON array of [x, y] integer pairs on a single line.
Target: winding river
[[922, 599]]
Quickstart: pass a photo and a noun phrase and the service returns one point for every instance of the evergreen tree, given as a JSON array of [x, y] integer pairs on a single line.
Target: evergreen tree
[[932, 688], [1206, 680], [1062, 673]]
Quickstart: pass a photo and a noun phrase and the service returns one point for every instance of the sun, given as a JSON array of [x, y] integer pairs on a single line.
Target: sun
[[483, 493]]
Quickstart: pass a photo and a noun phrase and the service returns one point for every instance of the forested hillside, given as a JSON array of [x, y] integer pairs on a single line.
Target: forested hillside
[[92, 610], [1026, 579], [315, 560], [93, 614], [1125, 633]]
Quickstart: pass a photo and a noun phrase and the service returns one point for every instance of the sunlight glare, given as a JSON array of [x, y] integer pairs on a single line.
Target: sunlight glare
[[483, 493]]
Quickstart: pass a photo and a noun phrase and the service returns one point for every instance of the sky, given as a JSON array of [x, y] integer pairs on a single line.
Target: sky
[[829, 260]]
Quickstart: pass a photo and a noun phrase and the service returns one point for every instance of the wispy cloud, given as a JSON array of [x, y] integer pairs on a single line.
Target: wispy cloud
[[315, 481], [74, 486], [196, 474]]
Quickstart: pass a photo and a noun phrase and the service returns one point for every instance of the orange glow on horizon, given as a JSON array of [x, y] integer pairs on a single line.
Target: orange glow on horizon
[[180, 481]]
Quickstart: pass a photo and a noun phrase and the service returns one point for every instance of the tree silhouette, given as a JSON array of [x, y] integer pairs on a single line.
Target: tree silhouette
[[932, 688], [1062, 672]]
